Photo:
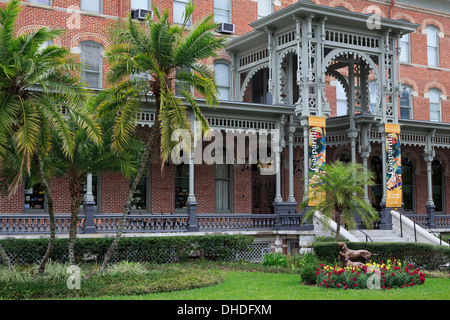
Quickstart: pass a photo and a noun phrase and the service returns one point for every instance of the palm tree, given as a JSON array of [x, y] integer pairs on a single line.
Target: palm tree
[[164, 53], [88, 158], [35, 82], [339, 193]]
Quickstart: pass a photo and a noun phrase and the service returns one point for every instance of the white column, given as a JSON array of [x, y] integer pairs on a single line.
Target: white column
[[291, 197], [89, 196], [191, 196]]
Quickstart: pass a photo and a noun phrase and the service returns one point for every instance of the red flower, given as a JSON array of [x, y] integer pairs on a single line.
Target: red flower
[[356, 284], [345, 287]]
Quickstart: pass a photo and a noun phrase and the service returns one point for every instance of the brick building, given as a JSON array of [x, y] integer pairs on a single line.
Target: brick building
[[248, 101]]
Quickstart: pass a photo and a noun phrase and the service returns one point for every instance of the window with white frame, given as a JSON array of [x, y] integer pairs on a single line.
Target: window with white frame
[[341, 100], [264, 8], [435, 104], [222, 77], [222, 11], [181, 85], [405, 46], [406, 102], [91, 6], [140, 4], [179, 7], [92, 60], [433, 45], [223, 186], [43, 2]]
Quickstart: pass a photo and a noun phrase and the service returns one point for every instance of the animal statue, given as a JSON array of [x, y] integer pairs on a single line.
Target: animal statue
[[353, 255]]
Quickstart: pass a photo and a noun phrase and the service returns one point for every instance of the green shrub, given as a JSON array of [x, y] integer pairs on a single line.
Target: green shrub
[[131, 249], [274, 259], [308, 265]]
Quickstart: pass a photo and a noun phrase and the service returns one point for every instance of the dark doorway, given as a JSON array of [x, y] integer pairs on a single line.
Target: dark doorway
[[263, 192]]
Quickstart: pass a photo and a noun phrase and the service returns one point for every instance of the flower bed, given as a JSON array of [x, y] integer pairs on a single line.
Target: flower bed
[[370, 276]]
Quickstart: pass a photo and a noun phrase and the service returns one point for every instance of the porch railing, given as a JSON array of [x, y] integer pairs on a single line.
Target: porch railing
[[152, 223]]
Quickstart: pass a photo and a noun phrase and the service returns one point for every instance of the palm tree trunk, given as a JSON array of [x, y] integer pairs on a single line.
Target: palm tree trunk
[[75, 195], [144, 161], [337, 216], [5, 258], [51, 214]]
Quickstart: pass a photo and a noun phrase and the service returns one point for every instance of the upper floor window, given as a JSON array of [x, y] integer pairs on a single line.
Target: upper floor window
[[179, 7], [91, 57], [92, 5], [43, 2], [406, 102], [435, 104], [405, 46], [341, 100], [140, 4], [264, 8], [222, 77], [433, 46], [222, 11], [181, 85]]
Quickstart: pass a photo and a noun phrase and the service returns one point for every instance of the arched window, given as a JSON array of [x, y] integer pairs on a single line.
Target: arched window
[[438, 185], [92, 60], [343, 157], [433, 45], [222, 77], [408, 185], [435, 104], [406, 102]]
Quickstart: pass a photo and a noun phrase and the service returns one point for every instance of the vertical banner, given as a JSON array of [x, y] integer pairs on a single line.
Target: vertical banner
[[393, 166], [317, 151]]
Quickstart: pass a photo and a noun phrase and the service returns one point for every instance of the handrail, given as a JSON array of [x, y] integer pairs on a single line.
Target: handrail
[[439, 235], [367, 236]]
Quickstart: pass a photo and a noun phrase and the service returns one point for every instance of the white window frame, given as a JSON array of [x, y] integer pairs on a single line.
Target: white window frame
[[100, 72], [411, 104], [180, 2], [100, 6], [149, 5], [438, 103], [405, 46], [260, 12], [341, 99], [49, 2], [218, 76], [432, 50], [227, 11]]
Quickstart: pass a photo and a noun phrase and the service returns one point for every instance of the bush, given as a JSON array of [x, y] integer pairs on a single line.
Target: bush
[[421, 255], [132, 249], [308, 265]]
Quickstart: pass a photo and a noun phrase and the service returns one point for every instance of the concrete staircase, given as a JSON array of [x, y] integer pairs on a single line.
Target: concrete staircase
[[379, 236]]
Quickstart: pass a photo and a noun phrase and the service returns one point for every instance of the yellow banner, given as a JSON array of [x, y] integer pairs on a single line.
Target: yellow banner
[[393, 166]]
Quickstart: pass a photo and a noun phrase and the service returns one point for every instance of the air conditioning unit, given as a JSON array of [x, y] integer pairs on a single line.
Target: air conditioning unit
[[226, 28], [141, 14]]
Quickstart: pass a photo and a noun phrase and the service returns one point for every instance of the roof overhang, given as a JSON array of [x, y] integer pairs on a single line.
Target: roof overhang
[[302, 9]]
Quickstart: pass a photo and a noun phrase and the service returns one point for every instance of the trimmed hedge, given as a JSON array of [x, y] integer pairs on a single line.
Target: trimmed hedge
[[133, 249], [422, 255]]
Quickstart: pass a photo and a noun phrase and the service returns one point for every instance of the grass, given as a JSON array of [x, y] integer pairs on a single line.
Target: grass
[[204, 281], [241, 285]]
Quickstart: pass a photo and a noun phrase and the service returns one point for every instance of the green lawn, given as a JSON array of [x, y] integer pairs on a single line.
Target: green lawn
[[240, 285]]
